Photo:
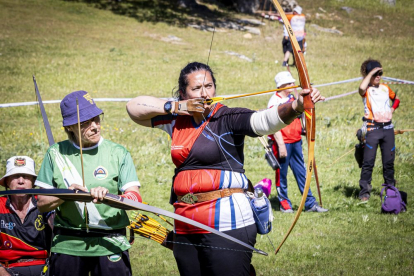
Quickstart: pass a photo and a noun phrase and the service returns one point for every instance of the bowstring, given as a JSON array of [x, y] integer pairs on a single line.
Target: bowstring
[[215, 139], [211, 45], [223, 153], [238, 181], [208, 246], [209, 53]]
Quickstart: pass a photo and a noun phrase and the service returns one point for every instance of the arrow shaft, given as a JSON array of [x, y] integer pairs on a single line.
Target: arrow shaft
[[219, 99]]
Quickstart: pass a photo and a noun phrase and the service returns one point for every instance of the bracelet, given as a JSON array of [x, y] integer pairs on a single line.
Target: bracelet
[[176, 107]]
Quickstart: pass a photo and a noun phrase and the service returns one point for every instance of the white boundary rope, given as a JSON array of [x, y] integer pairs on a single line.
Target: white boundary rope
[[58, 101], [399, 81], [340, 96]]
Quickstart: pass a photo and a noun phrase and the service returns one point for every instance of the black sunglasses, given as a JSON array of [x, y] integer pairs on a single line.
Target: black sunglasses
[[97, 119], [378, 74]]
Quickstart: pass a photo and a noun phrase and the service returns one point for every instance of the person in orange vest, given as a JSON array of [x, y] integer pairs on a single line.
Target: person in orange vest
[[378, 127], [297, 21]]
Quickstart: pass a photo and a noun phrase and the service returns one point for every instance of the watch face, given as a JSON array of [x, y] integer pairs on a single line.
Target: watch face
[[167, 107]]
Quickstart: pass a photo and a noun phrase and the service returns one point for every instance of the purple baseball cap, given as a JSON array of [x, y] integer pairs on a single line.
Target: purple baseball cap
[[87, 108]]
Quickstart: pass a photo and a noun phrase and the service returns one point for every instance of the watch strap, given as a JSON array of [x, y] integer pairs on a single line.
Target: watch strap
[[176, 107]]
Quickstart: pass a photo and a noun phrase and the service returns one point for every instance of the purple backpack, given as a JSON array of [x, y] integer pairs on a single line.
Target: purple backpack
[[392, 202]]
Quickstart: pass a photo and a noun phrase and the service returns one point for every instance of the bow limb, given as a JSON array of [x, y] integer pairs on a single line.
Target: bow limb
[[309, 114], [44, 115], [314, 161], [126, 204], [401, 131], [315, 171]]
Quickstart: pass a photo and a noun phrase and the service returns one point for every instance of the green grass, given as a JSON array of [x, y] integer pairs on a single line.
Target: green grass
[[116, 50]]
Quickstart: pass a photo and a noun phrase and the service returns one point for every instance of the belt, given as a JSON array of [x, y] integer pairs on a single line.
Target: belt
[[191, 198], [376, 124], [92, 233], [7, 263]]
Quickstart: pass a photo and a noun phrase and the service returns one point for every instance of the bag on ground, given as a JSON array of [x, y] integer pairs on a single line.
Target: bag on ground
[[391, 200]]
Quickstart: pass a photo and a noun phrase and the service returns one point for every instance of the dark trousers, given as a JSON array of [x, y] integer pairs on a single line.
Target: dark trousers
[[214, 255], [287, 45], [295, 161], [386, 140], [68, 265]]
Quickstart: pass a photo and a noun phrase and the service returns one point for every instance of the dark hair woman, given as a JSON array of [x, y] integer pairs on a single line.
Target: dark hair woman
[[209, 181], [377, 127]]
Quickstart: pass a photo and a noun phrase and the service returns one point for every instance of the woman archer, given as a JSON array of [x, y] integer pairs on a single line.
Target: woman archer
[[378, 125], [209, 181]]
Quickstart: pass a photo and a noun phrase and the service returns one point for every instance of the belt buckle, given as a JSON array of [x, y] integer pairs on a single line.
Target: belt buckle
[[189, 198]]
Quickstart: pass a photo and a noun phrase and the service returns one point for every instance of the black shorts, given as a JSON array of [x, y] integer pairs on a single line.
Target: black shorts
[[68, 265], [287, 45], [209, 254]]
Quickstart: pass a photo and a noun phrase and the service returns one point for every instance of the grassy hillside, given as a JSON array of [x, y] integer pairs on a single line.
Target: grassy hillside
[[129, 48]]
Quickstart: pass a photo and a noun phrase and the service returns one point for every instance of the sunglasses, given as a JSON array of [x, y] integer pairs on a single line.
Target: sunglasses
[[378, 74], [96, 119]]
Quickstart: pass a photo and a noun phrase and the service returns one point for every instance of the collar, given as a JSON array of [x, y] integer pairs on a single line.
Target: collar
[[32, 205], [90, 148]]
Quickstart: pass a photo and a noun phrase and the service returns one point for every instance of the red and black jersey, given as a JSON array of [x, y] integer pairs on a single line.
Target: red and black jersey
[[209, 156], [27, 240], [220, 143]]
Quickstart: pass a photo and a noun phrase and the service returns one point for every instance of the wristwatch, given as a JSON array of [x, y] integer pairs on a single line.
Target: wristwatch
[[168, 107]]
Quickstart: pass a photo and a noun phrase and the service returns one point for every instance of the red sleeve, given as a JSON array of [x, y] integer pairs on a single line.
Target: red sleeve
[[132, 196]]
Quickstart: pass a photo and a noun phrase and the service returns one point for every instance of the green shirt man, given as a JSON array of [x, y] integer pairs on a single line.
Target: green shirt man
[[90, 242], [106, 164]]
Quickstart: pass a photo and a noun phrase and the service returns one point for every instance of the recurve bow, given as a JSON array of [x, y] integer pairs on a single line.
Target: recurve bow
[[309, 115]]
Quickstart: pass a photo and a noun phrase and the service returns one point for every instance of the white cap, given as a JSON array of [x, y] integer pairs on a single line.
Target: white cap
[[19, 165], [298, 9], [283, 78]]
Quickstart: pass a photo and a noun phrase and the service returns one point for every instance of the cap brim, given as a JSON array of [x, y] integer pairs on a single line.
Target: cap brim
[[287, 81], [85, 114], [16, 171]]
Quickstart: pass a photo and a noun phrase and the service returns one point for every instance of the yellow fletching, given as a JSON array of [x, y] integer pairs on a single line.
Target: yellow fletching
[[148, 227]]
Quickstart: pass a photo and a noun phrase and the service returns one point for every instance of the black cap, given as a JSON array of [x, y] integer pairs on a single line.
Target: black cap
[[371, 65]]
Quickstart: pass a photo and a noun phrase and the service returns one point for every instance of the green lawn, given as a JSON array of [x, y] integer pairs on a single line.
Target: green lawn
[[124, 49]]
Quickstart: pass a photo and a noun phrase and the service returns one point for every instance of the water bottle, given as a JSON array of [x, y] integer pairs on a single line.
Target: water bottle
[[259, 200], [266, 185]]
